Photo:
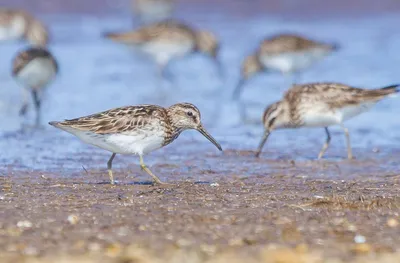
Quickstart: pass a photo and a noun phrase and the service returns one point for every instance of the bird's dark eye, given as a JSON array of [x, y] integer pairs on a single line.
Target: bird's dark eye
[[189, 113]]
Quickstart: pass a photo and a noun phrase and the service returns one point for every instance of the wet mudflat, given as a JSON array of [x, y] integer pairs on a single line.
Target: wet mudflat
[[55, 201], [283, 211]]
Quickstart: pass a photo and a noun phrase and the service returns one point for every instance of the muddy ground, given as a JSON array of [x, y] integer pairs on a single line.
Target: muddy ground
[[284, 211], [285, 207]]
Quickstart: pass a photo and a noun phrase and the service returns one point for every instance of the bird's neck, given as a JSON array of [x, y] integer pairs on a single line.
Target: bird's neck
[[172, 130]]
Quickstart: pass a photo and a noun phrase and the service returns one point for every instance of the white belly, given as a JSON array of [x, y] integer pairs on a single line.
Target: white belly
[[293, 61], [352, 111], [320, 119], [14, 30], [37, 74], [320, 116], [163, 53], [135, 143]]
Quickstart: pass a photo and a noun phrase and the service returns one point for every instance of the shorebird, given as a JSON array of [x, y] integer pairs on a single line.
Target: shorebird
[[136, 130], [150, 11], [34, 69], [285, 53], [18, 24], [321, 105], [168, 40]]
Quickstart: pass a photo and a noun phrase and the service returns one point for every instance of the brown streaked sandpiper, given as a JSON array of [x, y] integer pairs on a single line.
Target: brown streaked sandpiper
[[34, 68], [18, 24], [285, 53], [321, 105], [136, 129], [168, 40], [150, 11]]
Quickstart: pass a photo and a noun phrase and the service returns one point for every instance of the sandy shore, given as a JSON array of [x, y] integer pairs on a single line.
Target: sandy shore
[[282, 214]]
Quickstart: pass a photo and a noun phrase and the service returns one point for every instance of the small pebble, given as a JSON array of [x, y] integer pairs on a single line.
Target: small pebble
[[24, 224], [392, 222], [214, 184], [359, 239], [73, 219]]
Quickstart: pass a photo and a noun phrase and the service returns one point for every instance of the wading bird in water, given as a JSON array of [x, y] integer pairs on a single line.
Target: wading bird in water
[[34, 68], [169, 40], [285, 53], [321, 105], [136, 130]]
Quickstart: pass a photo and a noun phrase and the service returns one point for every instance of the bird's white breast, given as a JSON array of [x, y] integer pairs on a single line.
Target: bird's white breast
[[164, 51], [140, 142], [292, 61], [37, 73], [13, 30]]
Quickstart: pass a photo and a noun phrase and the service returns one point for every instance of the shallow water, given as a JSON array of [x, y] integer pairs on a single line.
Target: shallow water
[[237, 203], [97, 74]]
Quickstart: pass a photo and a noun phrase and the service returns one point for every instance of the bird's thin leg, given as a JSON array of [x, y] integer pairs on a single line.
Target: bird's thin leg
[[349, 152], [109, 168], [326, 144], [37, 102], [25, 102], [242, 111], [147, 170]]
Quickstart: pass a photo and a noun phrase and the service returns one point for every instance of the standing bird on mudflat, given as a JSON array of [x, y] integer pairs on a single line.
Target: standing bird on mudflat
[[18, 24], [285, 53], [321, 105], [150, 11], [136, 130], [168, 40], [34, 68]]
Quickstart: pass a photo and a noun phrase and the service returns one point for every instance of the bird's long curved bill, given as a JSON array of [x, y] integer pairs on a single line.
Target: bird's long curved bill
[[238, 89], [209, 137], [263, 141]]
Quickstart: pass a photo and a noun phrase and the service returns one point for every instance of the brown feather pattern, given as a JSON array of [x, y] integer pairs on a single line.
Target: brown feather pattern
[[289, 43], [170, 30], [333, 95]]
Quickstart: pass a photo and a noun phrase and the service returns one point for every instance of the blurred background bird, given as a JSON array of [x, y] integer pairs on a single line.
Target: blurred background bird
[[285, 53], [168, 40], [18, 24], [34, 68], [149, 11]]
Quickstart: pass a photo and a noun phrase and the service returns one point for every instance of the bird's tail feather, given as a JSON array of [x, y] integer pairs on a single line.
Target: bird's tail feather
[[391, 90]]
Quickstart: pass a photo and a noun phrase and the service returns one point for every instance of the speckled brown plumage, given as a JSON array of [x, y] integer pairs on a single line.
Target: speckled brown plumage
[[129, 119], [169, 32], [335, 95], [321, 105], [136, 129], [289, 43]]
